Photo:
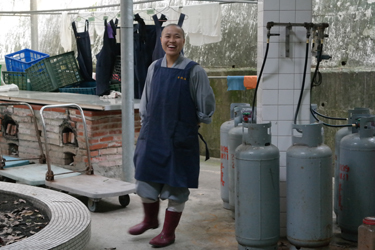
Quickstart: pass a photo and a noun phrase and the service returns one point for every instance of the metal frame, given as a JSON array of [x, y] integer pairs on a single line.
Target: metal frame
[[49, 174], [71, 9]]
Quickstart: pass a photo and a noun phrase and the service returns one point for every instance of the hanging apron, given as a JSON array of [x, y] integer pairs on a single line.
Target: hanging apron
[[106, 58], [140, 56], [84, 51], [158, 50], [167, 149]]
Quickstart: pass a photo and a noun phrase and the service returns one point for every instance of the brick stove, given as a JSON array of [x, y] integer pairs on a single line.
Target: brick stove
[[65, 134]]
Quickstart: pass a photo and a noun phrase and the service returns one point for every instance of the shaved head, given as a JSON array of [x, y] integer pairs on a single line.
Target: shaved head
[[174, 25]]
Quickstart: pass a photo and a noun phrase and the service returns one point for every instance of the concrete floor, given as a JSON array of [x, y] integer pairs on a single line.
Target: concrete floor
[[204, 225]]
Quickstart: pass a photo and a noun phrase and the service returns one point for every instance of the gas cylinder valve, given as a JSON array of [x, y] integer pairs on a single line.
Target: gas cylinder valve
[[246, 116]]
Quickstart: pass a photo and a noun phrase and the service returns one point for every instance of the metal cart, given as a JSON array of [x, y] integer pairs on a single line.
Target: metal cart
[[94, 187]]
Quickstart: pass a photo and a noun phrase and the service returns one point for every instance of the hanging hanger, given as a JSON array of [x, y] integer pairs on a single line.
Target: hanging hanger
[[161, 11], [92, 17], [173, 9]]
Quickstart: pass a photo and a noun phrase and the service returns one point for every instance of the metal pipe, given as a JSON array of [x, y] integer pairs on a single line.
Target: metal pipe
[[228, 1], [127, 89], [34, 25], [217, 77], [71, 9]]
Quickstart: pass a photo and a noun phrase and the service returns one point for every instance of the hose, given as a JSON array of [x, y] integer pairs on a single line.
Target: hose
[[330, 125], [303, 82], [319, 59], [260, 75], [328, 117]]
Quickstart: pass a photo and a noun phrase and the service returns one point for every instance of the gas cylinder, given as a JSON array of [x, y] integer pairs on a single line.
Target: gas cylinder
[[357, 178], [353, 114], [309, 185], [257, 215], [224, 129], [234, 140]]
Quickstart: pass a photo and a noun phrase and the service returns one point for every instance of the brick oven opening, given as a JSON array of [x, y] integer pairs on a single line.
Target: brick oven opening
[[69, 158], [68, 136], [9, 128], [13, 149]]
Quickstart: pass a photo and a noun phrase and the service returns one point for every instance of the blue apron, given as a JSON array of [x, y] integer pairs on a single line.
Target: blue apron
[[144, 43], [84, 51], [106, 59], [167, 149]]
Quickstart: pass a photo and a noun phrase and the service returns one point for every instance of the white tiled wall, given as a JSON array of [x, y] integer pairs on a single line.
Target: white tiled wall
[[281, 82]]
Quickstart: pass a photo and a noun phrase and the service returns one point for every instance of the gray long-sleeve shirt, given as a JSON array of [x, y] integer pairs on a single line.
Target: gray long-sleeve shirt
[[200, 89]]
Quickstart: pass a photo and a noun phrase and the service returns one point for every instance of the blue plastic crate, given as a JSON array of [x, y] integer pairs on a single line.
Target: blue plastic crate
[[23, 59], [86, 88]]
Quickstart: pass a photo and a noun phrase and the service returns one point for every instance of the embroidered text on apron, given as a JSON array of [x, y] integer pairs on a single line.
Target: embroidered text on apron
[[84, 51], [167, 149]]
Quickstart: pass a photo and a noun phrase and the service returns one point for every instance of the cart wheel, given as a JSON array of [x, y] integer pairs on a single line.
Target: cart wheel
[[92, 205], [124, 200], [5, 179]]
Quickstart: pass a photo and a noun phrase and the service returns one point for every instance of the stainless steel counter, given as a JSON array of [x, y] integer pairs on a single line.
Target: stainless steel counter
[[47, 98]]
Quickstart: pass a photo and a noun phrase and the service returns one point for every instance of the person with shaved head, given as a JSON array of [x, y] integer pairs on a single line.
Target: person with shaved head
[[177, 97]]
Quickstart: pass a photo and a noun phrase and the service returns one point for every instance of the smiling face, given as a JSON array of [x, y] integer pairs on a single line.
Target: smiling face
[[172, 41]]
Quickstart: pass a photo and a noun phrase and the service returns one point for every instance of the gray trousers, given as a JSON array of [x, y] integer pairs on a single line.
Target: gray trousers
[[155, 191]]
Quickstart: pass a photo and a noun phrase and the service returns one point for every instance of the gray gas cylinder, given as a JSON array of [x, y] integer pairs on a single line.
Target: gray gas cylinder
[[309, 185], [357, 178], [234, 140], [257, 216], [353, 114], [224, 129]]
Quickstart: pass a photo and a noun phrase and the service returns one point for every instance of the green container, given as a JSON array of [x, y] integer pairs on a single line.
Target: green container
[[18, 78], [54, 72], [86, 88], [115, 87]]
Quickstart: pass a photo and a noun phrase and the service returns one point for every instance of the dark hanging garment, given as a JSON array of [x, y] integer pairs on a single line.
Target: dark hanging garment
[[144, 44], [84, 57], [106, 58], [140, 56], [158, 50]]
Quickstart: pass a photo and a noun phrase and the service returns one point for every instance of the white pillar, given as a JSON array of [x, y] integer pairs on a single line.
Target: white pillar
[[281, 81], [34, 25]]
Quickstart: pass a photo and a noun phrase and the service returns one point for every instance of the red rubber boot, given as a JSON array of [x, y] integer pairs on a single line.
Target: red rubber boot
[[167, 236], [150, 220]]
